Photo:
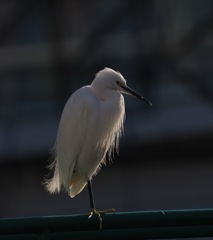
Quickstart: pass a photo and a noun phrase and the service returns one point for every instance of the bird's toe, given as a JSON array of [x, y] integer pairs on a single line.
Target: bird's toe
[[93, 211]]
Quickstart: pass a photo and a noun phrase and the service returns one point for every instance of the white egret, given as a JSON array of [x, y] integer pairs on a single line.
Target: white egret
[[90, 126]]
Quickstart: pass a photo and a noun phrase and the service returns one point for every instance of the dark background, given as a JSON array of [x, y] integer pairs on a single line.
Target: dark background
[[164, 48]]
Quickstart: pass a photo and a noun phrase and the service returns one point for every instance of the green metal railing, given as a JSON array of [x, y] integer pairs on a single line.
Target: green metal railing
[[132, 225]]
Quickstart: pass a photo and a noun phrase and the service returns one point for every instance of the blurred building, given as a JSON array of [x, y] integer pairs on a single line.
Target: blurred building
[[163, 48]]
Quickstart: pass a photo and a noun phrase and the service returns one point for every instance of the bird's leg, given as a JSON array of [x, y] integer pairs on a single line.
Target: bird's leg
[[92, 206]]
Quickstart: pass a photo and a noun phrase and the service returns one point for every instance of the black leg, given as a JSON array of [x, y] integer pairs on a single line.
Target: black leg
[[92, 206], [91, 199]]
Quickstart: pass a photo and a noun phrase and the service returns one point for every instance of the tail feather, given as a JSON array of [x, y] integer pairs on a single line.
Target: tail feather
[[53, 185], [57, 182], [77, 184]]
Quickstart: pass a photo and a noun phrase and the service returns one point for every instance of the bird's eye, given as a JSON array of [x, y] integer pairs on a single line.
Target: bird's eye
[[118, 83]]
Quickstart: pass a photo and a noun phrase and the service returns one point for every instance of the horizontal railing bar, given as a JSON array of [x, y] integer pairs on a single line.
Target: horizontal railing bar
[[146, 223]]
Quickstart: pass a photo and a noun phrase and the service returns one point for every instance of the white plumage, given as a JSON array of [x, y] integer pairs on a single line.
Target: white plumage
[[90, 126]]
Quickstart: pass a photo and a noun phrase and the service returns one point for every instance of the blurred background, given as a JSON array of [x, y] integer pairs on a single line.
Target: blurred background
[[164, 48]]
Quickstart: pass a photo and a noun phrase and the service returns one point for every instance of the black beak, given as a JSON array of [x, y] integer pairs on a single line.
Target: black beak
[[133, 93]]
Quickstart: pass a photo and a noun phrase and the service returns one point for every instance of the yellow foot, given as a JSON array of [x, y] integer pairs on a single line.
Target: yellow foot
[[98, 214]]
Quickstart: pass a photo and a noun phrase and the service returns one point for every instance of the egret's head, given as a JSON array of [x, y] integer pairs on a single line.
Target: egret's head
[[108, 79]]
